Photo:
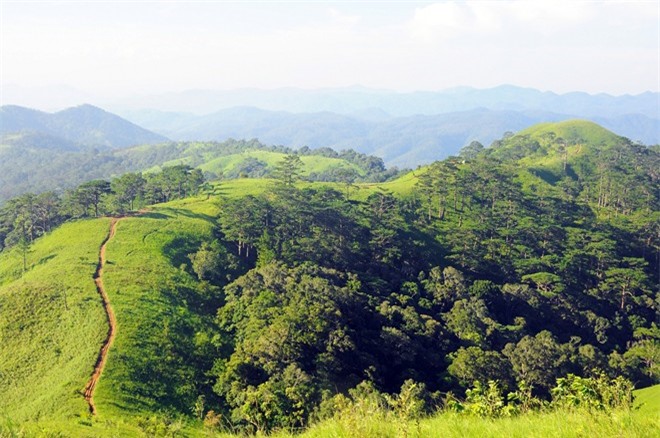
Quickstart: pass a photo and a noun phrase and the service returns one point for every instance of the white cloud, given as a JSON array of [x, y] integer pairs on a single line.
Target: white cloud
[[450, 19], [456, 19], [122, 48]]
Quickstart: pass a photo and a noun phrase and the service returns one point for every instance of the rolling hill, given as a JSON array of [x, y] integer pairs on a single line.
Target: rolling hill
[[25, 166]]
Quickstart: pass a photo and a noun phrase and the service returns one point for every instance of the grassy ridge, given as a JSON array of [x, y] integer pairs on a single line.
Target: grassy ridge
[[311, 163], [155, 303], [226, 163], [52, 323], [583, 131], [237, 188]]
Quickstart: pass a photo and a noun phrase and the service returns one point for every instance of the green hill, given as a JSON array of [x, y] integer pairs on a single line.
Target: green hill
[[573, 131], [580, 158], [263, 305], [29, 163], [263, 162], [52, 322], [552, 141]]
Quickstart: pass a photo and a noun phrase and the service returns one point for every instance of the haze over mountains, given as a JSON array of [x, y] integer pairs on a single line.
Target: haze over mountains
[[357, 99], [74, 128], [405, 129]]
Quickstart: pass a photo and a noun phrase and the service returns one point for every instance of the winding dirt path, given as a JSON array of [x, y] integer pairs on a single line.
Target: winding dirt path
[[112, 322]]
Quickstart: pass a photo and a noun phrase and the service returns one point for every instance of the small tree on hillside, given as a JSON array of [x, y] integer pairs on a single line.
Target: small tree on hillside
[[288, 170]]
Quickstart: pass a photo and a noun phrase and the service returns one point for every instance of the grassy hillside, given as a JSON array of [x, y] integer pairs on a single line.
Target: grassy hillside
[[553, 424], [226, 164], [50, 341], [573, 131], [158, 308], [30, 163], [51, 323], [648, 401]]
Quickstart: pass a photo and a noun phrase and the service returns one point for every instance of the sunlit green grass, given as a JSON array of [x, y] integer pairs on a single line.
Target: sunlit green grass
[[570, 130], [52, 323], [227, 163], [311, 163], [144, 282], [557, 424], [648, 400]]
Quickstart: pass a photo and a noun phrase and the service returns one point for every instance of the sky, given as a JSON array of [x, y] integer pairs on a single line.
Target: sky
[[114, 49]]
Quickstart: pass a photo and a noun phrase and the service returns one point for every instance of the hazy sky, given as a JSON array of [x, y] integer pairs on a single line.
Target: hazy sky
[[117, 48]]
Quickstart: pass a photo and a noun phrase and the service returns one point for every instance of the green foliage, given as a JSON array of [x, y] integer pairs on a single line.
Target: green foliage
[[538, 360], [288, 170], [486, 400], [598, 392], [474, 364], [159, 426], [644, 353], [410, 403], [288, 342]]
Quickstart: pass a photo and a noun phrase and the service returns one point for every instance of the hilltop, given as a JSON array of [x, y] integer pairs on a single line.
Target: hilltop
[[27, 166]]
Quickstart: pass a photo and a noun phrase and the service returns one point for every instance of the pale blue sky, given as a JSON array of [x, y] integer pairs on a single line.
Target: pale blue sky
[[114, 49]]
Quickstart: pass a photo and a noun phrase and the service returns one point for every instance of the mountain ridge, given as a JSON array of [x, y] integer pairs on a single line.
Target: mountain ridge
[[401, 141], [85, 125], [350, 99]]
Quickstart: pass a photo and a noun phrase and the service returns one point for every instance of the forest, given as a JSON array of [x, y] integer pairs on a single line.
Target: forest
[[529, 268]]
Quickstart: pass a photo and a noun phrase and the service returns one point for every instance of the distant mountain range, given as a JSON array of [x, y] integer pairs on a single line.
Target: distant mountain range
[[75, 128], [405, 129], [401, 141], [355, 100]]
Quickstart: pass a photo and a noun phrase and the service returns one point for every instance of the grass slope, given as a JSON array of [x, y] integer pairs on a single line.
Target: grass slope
[[582, 131], [648, 400], [148, 299], [193, 155], [47, 352], [52, 323], [311, 163]]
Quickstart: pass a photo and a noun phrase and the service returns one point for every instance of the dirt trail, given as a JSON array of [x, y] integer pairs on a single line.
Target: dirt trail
[[112, 322]]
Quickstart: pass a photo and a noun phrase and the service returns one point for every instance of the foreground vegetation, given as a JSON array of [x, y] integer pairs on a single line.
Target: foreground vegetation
[[367, 418], [280, 305]]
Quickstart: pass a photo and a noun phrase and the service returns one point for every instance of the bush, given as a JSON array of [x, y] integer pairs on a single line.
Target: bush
[[600, 393]]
